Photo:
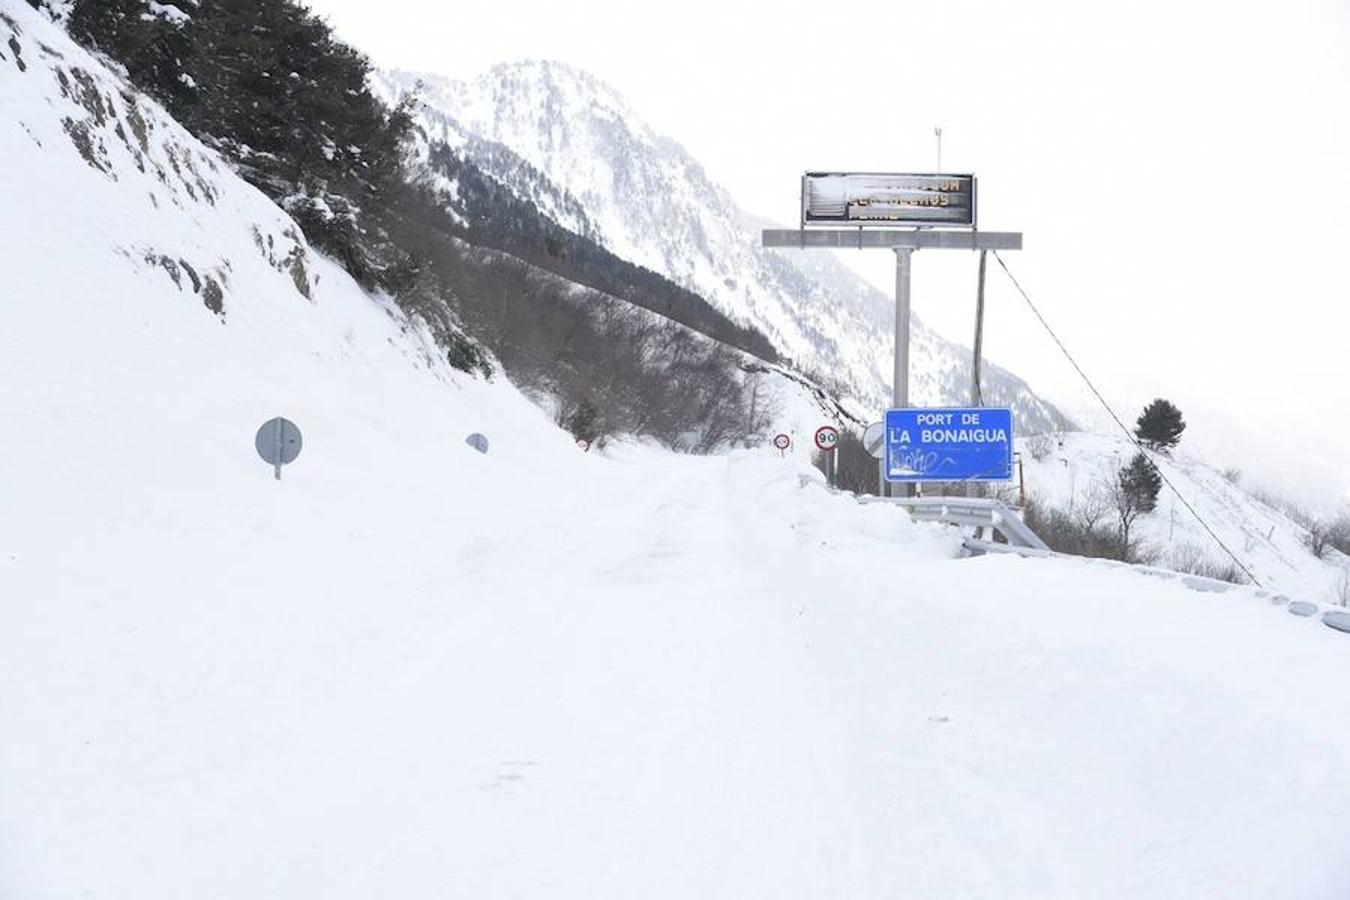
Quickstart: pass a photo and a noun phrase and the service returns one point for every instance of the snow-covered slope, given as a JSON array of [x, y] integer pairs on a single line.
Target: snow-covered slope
[[409, 669], [642, 196], [1076, 469]]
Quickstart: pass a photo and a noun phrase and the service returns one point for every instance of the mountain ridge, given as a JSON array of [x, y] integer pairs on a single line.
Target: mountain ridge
[[649, 201]]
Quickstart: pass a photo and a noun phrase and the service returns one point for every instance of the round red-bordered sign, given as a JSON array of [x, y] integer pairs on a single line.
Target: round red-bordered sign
[[826, 437], [782, 442]]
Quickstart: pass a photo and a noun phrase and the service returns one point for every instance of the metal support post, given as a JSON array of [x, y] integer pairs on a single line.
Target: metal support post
[[276, 449], [903, 242], [976, 394], [900, 377]]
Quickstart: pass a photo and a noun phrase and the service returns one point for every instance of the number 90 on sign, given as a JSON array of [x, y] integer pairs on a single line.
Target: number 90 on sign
[[827, 437]]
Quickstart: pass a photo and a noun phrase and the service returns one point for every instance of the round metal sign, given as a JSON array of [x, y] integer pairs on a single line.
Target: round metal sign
[[782, 442], [826, 437], [478, 442], [278, 442], [874, 439]]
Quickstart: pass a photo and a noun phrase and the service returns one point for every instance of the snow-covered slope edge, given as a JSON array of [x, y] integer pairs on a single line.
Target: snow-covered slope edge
[[1073, 471], [642, 196]]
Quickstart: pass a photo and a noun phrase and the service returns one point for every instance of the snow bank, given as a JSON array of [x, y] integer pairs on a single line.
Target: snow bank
[[1076, 467]]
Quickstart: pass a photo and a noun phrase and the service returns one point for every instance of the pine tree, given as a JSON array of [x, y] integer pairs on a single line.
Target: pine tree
[[1160, 425], [1141, 482], [584, 422], [151, 47]]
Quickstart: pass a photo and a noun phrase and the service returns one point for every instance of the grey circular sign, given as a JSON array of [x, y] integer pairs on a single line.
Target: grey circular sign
[[477, 442], [874, 439], [278, 441]]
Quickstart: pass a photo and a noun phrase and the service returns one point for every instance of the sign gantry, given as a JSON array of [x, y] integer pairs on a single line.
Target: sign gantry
[[864, 210]]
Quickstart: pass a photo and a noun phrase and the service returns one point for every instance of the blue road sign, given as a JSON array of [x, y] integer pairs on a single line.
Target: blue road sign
[[949, 444]]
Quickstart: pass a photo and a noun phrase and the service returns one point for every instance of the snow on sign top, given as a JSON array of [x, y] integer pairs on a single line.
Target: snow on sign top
[[863, 198], [826, 437]]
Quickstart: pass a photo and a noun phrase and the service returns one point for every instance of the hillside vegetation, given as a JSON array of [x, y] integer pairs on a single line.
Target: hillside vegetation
[[265, 83]]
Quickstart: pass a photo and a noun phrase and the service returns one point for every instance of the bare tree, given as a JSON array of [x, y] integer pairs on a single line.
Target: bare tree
[[1340, 588], [1093, 506], [1040, 446], [1128, 507], [1318, 533]]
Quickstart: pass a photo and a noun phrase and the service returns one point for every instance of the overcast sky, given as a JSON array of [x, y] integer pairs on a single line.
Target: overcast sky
[[1179, 169]]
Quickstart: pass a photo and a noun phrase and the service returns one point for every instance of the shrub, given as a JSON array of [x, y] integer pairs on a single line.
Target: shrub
[[1081, 534], [1340, 588], [1322, 534], [1040, 446], [1193, 560], [465, 355]]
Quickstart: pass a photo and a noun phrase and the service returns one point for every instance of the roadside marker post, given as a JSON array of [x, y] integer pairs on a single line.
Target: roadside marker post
[[827, 440]]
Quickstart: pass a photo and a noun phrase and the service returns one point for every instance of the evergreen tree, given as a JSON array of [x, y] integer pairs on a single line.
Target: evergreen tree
[[584, 422], [1160, 425], [152, 48], [264, 79], [1141, 482]]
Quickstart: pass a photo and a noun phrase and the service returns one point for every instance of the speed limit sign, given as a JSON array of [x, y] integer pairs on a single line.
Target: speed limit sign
[[826, 437], [782, 442]]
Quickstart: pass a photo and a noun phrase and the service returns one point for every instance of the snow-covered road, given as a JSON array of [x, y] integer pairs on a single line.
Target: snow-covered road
[[659, 676]]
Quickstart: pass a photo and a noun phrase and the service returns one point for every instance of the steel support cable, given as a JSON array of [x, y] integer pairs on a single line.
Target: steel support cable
[[1126, 431]]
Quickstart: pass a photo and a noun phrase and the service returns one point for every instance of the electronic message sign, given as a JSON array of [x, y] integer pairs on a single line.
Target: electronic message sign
[[840, 198]]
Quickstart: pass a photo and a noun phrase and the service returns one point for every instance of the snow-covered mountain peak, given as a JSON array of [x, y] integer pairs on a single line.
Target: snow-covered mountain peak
[[648, 200], [540, 91]]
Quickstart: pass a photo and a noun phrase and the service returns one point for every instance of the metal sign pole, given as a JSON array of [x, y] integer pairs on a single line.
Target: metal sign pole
[[900, 382], [976, 395], [276, 466]]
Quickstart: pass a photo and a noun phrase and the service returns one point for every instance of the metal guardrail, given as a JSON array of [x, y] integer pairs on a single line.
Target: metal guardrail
[[987, 514]]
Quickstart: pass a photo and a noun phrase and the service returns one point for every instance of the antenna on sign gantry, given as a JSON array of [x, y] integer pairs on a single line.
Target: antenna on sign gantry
[[937, 133]]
